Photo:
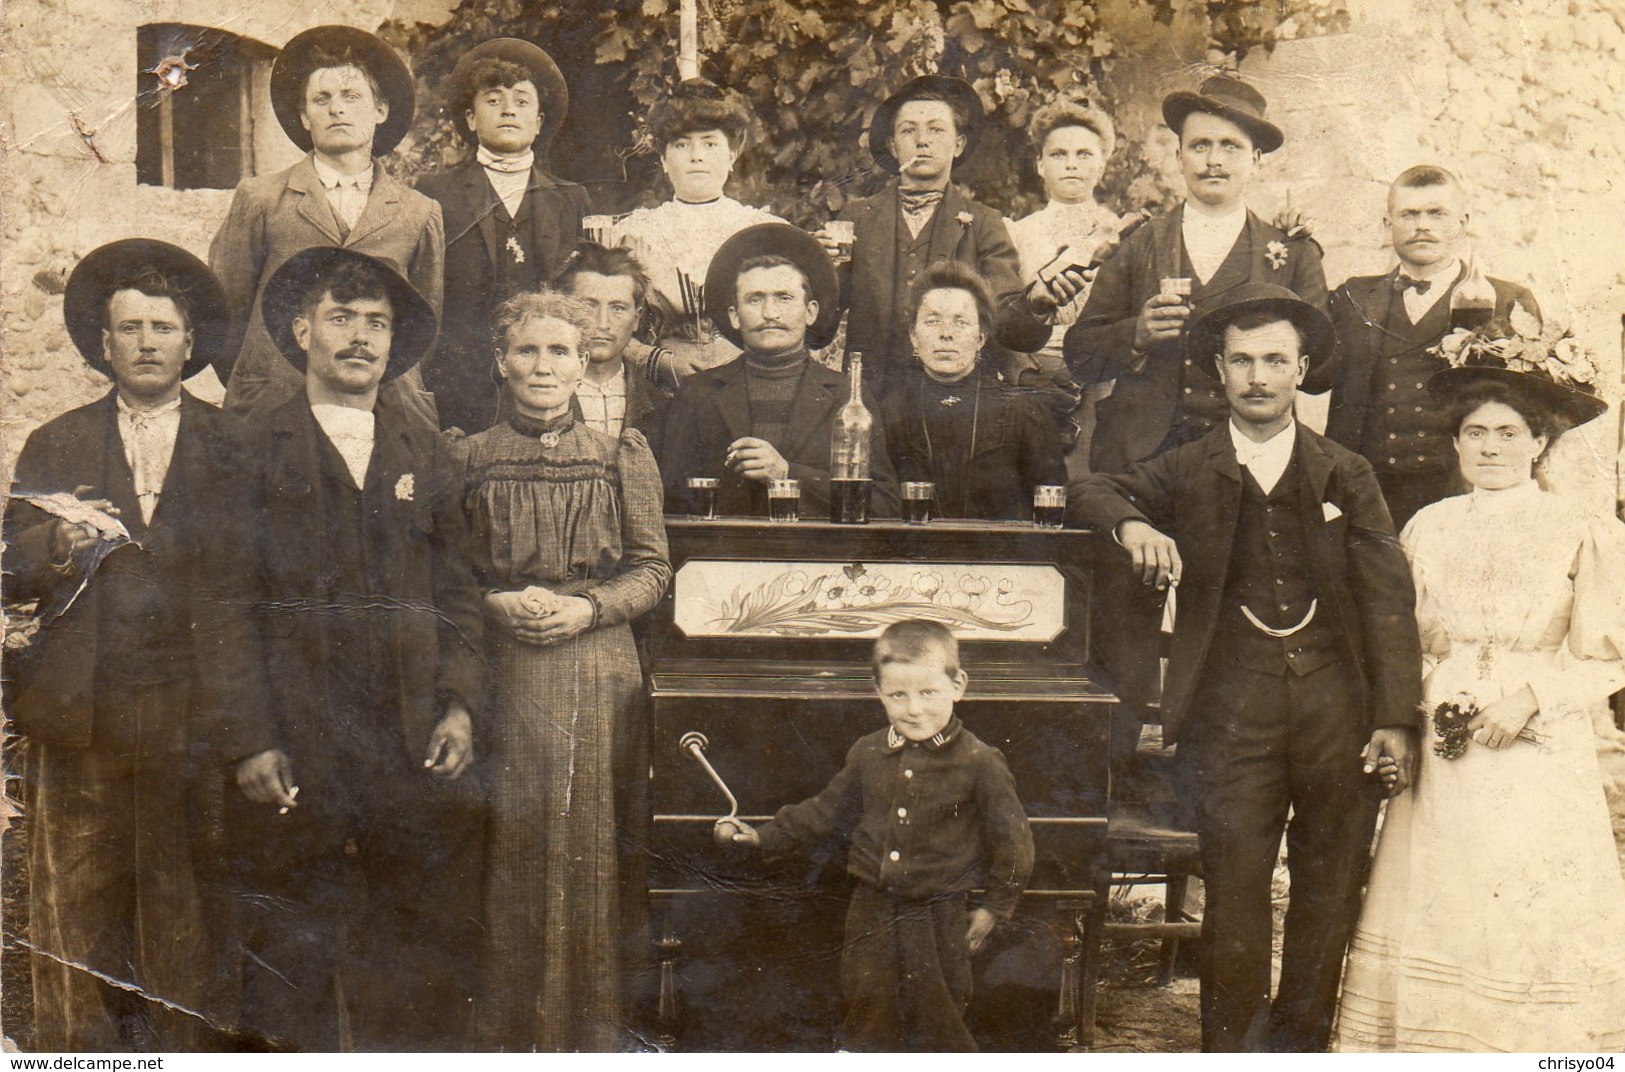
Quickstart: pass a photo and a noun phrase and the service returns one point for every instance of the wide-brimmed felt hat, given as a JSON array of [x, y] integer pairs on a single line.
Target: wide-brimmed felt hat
[[1572, 405], [414, 318], [544, 75], [1205, 339], [791, 243], [107, 268], [1229, 98], [930, 85], [298, 59]]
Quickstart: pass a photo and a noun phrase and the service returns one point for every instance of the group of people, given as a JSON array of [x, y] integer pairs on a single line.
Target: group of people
[[334, 714]]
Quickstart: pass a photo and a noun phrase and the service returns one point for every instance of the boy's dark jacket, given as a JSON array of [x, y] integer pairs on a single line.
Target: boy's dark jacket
[[925, 818]]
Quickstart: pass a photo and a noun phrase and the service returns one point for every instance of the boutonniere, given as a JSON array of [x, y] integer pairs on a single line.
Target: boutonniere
[[513, 247], [404, 487], [965, 218], [1275, 253]]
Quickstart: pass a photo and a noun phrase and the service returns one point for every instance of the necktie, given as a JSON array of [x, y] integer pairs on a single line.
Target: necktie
[[1402, 283]]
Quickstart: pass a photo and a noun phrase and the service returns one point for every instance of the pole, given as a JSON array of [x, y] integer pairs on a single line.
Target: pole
[[688, 40]]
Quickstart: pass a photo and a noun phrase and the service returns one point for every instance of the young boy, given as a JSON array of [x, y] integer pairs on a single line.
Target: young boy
[[932, 814]]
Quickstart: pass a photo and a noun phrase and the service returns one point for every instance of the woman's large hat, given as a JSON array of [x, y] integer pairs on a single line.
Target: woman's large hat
[[318, 47], [1228, 98], [123, 264], [544, 75], [1572, 404], [794, 245], [284, 298], [932, 86], [1204, 341]]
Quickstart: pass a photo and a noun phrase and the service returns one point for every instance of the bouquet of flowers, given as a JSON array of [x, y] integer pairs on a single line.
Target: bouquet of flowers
[[1450, 733], [1523, 344]]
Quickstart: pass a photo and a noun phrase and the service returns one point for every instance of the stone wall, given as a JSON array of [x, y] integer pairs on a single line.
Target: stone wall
[[69, 72]]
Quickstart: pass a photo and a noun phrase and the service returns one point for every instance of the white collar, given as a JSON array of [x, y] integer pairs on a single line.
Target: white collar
[[520, 163], [332, 179], [1268, 460], [345, 421], [127, 410], [1505, 498], [1200, 220]]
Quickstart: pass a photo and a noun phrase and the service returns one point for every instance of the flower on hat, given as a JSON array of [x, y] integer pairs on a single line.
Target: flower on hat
[[1275, 253], [404, 487], [1522, 343]]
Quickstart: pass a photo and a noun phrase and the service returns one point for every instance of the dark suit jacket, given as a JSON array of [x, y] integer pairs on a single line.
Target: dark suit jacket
[[468, 203], [1359, 310], [877, 307], [1193, 494], [55, 696], [1017, 448], [712, 409], [272, 217], [430, 610], [646, 402], [1135, 420]]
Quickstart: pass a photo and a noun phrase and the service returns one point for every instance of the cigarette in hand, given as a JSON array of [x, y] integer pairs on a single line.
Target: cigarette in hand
[[293, 794]]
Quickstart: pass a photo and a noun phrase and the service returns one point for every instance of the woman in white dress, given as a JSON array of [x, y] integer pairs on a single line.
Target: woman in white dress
[[1073, 139], [699, 133], [1495, 916]]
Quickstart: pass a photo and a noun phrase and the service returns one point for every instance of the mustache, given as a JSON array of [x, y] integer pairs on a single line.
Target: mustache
[[357, 350]]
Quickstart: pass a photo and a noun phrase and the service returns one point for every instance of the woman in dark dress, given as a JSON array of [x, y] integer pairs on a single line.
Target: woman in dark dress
[[570, 547], [985, 445]]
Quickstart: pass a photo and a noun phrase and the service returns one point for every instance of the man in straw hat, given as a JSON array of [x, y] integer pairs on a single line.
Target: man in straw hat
[[350, 765], [768, 414], [345, 97], [113, 528], [509, 223], [920, 134], [1295, 668], [1132, 327], [1386, 324]]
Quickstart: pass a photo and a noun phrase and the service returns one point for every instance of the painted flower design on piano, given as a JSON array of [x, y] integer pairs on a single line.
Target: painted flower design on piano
[[859, 599]]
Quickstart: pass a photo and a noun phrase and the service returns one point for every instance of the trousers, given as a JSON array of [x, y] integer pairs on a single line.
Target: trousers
[[1264, 753]]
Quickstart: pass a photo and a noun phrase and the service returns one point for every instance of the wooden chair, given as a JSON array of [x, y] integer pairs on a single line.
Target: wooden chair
[[1148, 842]]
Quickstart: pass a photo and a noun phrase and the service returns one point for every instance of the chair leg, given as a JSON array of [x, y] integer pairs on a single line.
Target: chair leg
[[1067, 1014], [1173, 912], [1094, 949]]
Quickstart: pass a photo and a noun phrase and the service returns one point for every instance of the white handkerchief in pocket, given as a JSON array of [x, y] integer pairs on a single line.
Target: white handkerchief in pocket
[[1331, 511]]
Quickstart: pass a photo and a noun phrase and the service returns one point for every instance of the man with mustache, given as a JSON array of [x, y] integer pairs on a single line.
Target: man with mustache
[[1132, 328], [359, 836], [136, 650], [920, 134], [1295, 670], [345, 97], [1385, 326], [767, 414], [509, 222]]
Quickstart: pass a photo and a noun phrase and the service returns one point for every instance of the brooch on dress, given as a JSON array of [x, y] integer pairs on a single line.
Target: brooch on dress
[[513, 247], [549, 439], [951, 400]]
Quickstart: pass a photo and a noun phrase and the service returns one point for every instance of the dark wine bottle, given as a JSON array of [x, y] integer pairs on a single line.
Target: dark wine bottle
[[1472, 303]]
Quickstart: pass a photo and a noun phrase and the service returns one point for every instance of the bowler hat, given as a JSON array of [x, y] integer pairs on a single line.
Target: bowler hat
[[932, 86], [284, 300], [1205, 339], [794, 245], [317, 47], [121, 264], [1571, 404], [1228, 98], [544, 75]]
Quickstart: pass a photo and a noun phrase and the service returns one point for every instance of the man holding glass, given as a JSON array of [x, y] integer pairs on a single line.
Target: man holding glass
[[1132, 329]]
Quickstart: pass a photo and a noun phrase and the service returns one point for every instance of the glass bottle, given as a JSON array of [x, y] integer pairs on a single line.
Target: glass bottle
[[1472, 303], [849, 452]]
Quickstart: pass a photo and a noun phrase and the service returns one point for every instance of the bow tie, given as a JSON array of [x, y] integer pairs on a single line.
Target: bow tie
[[1402, 283]]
